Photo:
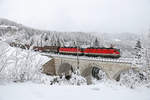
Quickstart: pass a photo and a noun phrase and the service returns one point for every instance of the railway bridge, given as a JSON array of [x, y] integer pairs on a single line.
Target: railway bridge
[[112, 67]]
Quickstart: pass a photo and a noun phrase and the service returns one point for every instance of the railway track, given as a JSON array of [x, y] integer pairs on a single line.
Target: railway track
[[128, 60]]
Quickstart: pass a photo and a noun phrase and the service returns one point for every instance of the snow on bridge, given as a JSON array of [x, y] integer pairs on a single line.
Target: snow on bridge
[[116, 60]]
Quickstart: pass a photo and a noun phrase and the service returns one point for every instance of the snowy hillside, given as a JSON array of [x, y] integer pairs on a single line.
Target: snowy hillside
[[17, 64], [23, 34], [13, 32]]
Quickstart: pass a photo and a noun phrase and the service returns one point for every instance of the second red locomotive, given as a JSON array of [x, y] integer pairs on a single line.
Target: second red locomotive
[[103, 52]]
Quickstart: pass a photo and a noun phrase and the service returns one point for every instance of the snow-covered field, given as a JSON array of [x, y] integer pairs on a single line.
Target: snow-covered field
[[35, 91]]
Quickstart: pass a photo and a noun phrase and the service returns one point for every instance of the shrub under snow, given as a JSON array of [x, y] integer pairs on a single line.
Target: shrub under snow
[[134, 78], [20, 65], [75, 79]]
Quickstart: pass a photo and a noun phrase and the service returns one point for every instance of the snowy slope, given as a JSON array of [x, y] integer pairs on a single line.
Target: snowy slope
[[16, 63], [32, 91], [13, 32]]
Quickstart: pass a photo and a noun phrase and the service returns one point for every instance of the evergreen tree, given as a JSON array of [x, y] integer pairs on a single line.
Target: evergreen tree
[[73, 44], [139, 59], [96, 43], [138, 44], [138, 49]]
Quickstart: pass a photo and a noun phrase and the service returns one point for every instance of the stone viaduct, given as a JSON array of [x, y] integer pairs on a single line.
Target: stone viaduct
[[112, 67]]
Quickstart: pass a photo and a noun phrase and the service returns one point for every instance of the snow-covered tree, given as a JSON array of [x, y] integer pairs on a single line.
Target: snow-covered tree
[[134, 78], [96, 43], [74, 79], [139, 55], [138, 48], [20, 65]]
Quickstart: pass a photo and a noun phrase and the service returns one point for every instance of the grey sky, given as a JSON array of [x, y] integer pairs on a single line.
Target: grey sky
[[80, 15]]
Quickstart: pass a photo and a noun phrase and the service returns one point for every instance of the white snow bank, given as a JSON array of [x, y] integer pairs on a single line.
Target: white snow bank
[[18, 64], [32, 91]]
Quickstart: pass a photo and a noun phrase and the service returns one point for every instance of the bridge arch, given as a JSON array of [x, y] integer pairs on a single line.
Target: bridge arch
[[92, 71], [65, 68], [117, 75]]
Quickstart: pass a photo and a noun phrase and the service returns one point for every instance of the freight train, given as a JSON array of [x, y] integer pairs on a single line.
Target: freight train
[[102, 52], [95, 52]]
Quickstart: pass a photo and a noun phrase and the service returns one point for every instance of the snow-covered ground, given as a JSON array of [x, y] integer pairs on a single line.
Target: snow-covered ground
[[35, 91]]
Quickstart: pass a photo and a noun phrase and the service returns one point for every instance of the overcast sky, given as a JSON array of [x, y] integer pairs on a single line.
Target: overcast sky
[[80, 15]]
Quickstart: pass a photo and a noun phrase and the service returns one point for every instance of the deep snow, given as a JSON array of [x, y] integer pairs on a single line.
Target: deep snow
[[35, 91]]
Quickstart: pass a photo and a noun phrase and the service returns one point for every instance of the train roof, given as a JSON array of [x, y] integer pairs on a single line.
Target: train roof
[[92, 48], [100, 48]]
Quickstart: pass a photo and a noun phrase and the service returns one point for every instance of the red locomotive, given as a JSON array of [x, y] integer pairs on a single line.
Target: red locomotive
[[103, 52]]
